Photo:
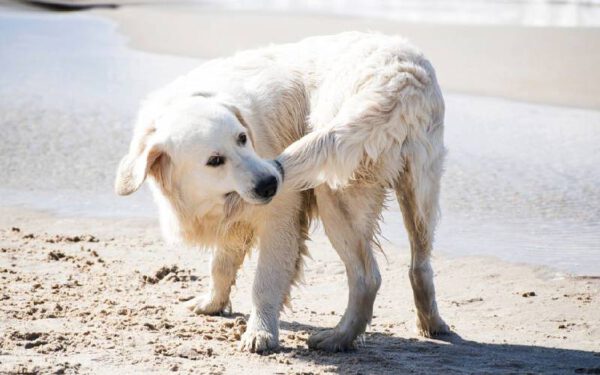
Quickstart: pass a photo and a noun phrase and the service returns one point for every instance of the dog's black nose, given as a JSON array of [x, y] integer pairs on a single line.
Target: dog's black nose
[[267, 187]]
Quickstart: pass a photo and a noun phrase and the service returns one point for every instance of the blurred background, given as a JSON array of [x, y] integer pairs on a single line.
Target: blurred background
[[521, 80]]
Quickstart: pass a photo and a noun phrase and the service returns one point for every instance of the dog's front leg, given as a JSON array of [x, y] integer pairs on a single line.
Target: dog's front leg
[[277, 262], [225, 262]]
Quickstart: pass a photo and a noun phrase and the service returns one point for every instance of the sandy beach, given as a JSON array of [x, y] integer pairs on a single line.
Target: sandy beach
[[88, 286], [106, 296]]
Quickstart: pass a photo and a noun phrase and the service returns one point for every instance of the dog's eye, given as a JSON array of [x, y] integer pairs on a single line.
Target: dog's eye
[[242, 138], [215, 161]]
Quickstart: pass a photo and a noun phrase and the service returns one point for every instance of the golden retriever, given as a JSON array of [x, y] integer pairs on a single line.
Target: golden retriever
[[245, 151]]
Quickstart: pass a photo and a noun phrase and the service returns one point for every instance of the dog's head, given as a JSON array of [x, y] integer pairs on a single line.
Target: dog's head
[[200, 149]]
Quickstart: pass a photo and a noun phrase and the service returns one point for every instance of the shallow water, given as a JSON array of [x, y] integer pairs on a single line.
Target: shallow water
[[562, 13], [69, 91], [521, 182]]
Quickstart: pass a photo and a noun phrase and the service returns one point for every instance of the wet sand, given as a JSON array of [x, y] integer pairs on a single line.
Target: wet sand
[[541, 64], [106, 296]]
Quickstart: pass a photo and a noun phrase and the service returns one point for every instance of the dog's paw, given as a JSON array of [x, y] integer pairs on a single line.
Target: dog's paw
[[432, 328], [332, 340], [258, 341], [205, 305]]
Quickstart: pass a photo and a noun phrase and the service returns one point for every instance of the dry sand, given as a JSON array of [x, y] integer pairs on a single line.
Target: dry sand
[[105, 296], [543, 64]]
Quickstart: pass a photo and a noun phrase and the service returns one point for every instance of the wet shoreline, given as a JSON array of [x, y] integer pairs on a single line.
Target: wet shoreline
[[520, 181]]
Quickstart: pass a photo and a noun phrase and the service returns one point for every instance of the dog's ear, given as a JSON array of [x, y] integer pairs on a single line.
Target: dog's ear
[[144, 157]]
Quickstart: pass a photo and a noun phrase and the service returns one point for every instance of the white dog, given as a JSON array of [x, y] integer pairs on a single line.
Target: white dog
[[328, 124]]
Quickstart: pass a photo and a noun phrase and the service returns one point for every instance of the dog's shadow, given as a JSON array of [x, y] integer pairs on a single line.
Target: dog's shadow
[[379, 353]]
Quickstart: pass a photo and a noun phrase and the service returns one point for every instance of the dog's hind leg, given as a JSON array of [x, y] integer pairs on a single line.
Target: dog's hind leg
[[350, 220], [225, 262], [417, 189]]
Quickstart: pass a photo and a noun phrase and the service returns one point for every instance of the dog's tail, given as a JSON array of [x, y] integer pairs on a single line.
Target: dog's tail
[[375, 121]]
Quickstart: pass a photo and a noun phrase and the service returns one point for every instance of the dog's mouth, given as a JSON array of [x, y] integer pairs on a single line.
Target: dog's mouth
[[259, 201], [234, 196], [234, 203], [262, 201]]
